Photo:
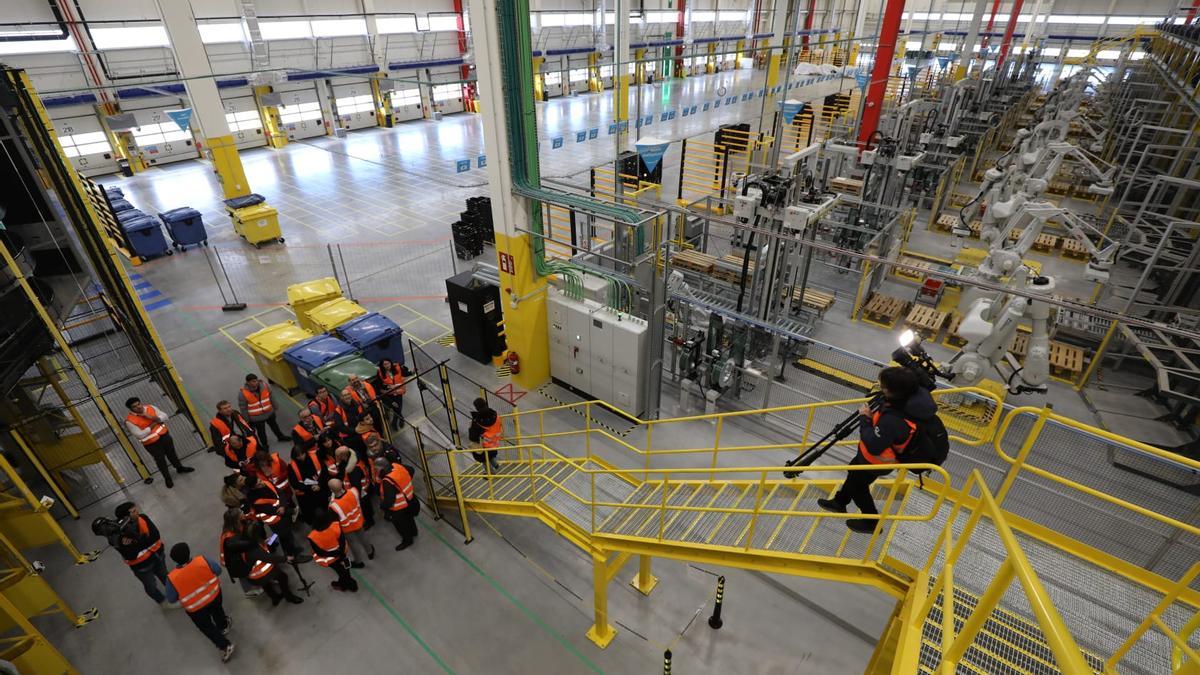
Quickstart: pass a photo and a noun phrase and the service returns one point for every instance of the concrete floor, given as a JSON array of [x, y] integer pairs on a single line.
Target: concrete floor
[[518, 598]]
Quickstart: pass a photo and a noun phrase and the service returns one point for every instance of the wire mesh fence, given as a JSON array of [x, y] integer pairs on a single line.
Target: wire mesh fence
[[386, 270]]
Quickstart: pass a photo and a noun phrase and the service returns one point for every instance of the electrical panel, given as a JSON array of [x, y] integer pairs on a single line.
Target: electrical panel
[[597, 351]]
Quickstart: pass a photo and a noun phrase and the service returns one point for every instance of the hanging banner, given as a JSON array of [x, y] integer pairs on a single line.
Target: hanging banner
[[790, 108], [943, 61], [862, 80], [651, 150], [182, 118]]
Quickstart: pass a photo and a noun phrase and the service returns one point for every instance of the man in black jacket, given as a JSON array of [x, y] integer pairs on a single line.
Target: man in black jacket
[[227, 422], [142, 548], [884, 436]]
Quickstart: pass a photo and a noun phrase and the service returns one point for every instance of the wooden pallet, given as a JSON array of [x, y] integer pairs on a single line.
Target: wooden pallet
[[814, 299], [109, 224], [1045, 243], [1015, 234], [1066, 361], [729, 268], [976, 226], [694, 261], [953, 339], [928, 320], [1020, 346], [852, 186], [959, 200], [884, 310], [1073, 248], [945, 222], [919, 274]]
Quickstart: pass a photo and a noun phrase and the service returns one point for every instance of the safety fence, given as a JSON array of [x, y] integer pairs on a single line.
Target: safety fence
[[367, 271]]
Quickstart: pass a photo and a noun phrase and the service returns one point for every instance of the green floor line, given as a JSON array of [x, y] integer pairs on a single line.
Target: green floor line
[[511, 598], [403, 624]]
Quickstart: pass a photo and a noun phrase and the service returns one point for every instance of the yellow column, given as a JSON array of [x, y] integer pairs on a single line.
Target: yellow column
[[525, 327], [601, 632], [710, 63], [739, 51], [640, 68], [644, 582], [539, 81], [121, 141], [383, 103], [595, 81], [228, 166], [272, 124]]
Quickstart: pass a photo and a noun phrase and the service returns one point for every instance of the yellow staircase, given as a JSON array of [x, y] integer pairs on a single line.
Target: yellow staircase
[[968, 598]]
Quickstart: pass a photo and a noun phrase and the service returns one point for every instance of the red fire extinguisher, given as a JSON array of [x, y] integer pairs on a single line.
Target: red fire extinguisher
[[514, 363]]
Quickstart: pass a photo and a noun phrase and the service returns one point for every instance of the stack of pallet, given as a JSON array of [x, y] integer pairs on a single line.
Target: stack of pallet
[[694, 261], [852, 186], [729, 268], [468, 243], [479, 214]]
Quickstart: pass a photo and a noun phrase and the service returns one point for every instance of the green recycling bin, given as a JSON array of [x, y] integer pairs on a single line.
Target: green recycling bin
[[336, 374]]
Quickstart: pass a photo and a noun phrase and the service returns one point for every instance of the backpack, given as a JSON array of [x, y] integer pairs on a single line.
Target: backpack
[[930, 444]]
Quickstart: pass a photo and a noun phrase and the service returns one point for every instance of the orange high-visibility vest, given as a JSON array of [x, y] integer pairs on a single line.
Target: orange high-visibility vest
[[144, 554], [316, 465], [220, 425], [221, 546], [394, 378], [306, 435], [888, 456], [249, 447], [196, 584], [402, 481], [491, 434], [270, 506], [276, 475], [348, 511], [258, 405], [261, 568], [330, 407], [358, 399], [157, 429], [328, 546]]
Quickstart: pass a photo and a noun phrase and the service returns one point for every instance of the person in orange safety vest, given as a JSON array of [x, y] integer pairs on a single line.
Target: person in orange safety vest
[[486, 432], [239, 452], [225, 423], [148, 425], [308, 427], [195, 583], [397, 500], [392, 383], [363, 393], [142, 548], [330, 550], [884, 436], [254, 400], [346, 504]]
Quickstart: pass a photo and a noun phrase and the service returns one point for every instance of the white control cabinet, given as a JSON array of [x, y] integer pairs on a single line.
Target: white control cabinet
[[597, 351]]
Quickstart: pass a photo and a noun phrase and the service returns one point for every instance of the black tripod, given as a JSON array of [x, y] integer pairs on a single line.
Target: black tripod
[[305, 584], [839, 432]]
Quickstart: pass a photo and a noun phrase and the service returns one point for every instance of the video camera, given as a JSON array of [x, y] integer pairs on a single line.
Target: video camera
[[911, 355], [113, 529]]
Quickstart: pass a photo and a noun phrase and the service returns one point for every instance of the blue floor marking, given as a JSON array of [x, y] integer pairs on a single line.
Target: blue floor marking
[[157, 305], [140, 286], [149, 295]]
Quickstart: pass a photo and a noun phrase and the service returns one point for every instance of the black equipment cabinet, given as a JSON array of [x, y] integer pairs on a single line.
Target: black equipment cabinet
[[475, 313]]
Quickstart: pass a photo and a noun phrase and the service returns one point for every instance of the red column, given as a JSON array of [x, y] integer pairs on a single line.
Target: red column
[[1008, 33], [808, 19], [679, 30], [464, 70], [889, 30], [987, 31], [1192, 12]]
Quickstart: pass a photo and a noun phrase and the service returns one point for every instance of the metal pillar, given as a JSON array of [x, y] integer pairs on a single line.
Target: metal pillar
[[885, 50], [208, 111], [682, 31], [967, 52], [522, 289], [1008, 34], [990, 24], [620, 61]]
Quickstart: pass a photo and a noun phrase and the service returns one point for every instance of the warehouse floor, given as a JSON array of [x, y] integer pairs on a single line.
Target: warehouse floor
[[518, 598]]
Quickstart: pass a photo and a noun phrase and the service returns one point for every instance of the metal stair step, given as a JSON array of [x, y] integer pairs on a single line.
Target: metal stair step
[[784, 498], [792, 532], [734, 529], [708, 522], [631, 519], [680, 521], [678, 496]]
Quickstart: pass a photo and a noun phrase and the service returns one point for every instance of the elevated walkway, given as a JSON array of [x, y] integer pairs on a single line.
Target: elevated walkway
[[979, 589]]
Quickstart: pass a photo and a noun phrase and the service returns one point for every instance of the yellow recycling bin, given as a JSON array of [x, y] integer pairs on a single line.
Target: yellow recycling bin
[[329, 315], [268, 346], [306, 295], [256, 224]]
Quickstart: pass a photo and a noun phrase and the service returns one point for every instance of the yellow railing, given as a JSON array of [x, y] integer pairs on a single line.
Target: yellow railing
[[1015, 566]]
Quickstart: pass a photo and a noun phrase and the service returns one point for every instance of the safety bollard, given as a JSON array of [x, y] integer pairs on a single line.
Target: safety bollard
[[715, 621], [667, 662]]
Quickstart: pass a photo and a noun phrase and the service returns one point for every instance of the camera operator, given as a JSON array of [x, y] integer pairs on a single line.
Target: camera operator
[[884, 435], [137, 540]]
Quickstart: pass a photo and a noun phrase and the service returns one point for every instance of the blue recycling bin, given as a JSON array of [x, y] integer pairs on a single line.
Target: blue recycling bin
[[120, 204], [185, 226], [114, 192], [376, 336], [145, 237], [306, 356], [130, 214]]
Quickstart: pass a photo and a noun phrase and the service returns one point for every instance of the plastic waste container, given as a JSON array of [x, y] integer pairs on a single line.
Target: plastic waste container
[[309, 355], [268, 346], [146, 237], [253, 220], [376, 336], [329, 315], [308, 294], [120, 204], [130, 214], [336, 374], [185, 226]]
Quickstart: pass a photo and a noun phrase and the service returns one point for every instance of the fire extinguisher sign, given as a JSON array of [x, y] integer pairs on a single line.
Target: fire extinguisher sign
[[506, 263]]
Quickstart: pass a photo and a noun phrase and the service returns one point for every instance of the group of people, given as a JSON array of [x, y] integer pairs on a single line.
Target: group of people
[[339, 473]]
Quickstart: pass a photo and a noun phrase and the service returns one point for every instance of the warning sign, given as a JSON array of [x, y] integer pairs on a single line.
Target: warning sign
[[510, 393]]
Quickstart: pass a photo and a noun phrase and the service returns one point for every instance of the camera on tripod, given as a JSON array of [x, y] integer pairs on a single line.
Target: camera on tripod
[[909, 355], [113, 529]]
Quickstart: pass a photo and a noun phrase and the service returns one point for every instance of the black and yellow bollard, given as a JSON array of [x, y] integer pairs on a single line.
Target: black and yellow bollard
[[715, 621], [667, 662]]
